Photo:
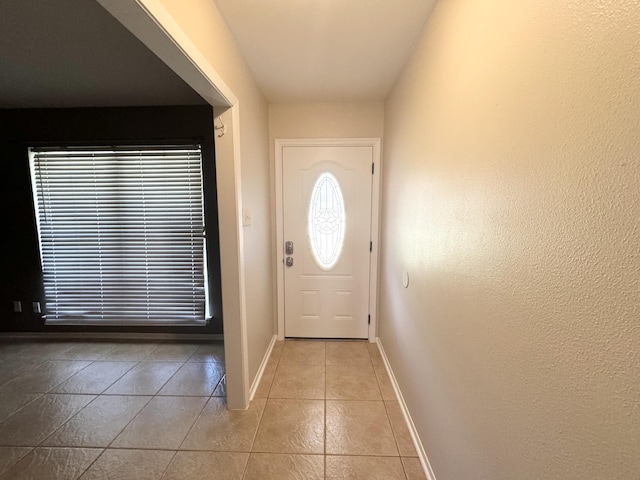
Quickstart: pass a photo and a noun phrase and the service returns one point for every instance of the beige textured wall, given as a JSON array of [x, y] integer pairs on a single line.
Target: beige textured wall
[[326, 120], [512, 197], [201, 20]]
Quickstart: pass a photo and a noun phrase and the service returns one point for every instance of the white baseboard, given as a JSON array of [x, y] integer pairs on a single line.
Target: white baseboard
[[263, 365], [422, 455]]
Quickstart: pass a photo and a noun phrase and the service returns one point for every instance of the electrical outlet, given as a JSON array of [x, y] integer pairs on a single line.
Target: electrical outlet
[[17, 306]]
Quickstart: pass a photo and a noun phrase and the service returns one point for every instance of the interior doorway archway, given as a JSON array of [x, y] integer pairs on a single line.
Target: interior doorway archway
[[150, 22]]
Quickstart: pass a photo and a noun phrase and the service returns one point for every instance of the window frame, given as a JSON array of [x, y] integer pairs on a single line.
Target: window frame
[[113, 153]]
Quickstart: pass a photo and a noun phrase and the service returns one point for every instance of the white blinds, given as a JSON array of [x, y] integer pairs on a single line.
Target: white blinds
[[121, 234]]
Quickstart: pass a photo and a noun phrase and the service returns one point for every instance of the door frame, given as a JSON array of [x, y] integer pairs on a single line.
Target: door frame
[[374, 143]]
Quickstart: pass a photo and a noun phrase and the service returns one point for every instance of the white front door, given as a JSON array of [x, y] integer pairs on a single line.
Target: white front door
[[326, 205]]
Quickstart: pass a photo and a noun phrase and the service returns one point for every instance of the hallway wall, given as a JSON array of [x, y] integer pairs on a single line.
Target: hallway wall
[[512, 198], [325, 120], [202, 21]]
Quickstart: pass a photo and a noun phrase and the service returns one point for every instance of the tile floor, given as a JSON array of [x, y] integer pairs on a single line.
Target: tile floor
[[148, 411]]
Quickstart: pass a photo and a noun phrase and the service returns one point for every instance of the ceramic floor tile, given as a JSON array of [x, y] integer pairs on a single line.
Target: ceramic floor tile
[[116, 464], [273, 466], [13, 368], [11, 401], [52, 464], [356, 382], [146, 378], [265, 384], [303, 352], [352, 370], [364, 468], [198, 379], [291, 426], [219, 429], [276, 352], [206, 466], [374, 353], [386, 388], [271, 366], [12, 348], [45, 350], [9, 456], [86, 351], [348, 353], [221, 389], [400, 430], [298, 381], [30, 425], [99, 422], [163, 423], [46, 376], [359, 428], [413, 469], [213, 352], [172, 352], [95, 378], [129, 352]]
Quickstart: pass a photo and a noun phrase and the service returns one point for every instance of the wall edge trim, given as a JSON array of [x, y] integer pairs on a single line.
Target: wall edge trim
[[263, 366], [422, 454]]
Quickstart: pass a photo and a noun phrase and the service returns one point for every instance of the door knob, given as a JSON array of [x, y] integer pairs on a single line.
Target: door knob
[[289, 261]]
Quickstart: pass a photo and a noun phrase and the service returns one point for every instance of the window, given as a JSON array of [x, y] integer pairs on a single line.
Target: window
[[121, 234], [326, 221]]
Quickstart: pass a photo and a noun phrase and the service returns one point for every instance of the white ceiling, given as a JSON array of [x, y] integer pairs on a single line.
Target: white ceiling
[[325, 50], [73, 53]]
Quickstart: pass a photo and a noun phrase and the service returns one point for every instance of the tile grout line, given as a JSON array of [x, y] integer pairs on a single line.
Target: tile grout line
[[164, 472], [153, 396], [393, 431], [91, 362], [31, 449], [404, 470], [95, 397], [195, 421], [129, 422], [108, 386], [324, 459], [171, 378], [38, 396], [92, 463], [146, 394]]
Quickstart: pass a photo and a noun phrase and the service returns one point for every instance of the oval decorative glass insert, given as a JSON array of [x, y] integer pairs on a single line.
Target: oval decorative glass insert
[[326, 221]]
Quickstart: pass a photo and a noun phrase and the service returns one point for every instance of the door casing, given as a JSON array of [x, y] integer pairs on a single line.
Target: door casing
[[374, 143]]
